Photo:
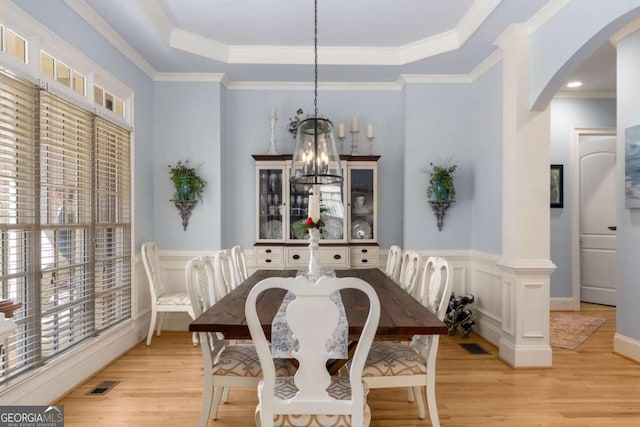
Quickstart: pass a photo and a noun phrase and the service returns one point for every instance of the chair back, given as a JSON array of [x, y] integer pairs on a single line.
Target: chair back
[[436, 290], [199, 283], [151, 261], [223, 264], [435, 286], [394, 260], [216, 289], [239, 263], [409, 271], [312, 318]]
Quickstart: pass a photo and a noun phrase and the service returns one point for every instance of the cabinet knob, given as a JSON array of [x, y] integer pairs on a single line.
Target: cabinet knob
[[267, 260], [364, 251], [296, 256], [268, 251], [365, 260], [337, 256]]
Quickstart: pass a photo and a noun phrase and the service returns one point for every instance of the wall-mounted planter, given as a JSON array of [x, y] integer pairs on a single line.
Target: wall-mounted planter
[[185, 208], [440, 209]]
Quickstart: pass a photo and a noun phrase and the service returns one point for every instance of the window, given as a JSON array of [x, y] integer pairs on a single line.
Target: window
[[16, 46], [65, 224], [109, 101], [57, 70]]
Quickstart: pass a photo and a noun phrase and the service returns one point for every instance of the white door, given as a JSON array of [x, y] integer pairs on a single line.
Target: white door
[[597, 160]]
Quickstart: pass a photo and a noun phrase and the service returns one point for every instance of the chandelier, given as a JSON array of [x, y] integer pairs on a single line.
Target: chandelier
[[315, 157]]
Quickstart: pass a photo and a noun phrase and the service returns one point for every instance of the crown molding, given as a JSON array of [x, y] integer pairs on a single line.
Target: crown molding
[[190, 77], [628, 29], [435, 78], [99, 24], [586, 94], [545, 13], [487, 64], [324, 86]]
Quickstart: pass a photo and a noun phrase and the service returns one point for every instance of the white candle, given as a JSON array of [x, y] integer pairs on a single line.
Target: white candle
[[369, 131], [354, 124], [314, 204], [274, 113], [341, 130]]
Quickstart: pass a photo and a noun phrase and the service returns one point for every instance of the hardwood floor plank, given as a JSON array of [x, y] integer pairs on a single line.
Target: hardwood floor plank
[[161, 385]]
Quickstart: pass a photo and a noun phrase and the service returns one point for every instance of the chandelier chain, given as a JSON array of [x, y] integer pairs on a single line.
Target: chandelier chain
[[315, 53]]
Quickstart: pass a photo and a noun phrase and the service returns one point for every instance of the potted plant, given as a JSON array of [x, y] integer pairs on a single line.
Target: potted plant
[[441, 191], [441, 187], [188, 185]]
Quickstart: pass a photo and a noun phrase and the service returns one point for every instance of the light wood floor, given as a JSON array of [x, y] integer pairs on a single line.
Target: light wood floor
[[161, 385]]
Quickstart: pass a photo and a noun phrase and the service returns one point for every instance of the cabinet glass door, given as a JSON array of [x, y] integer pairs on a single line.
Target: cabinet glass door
[[332, 212], [362, 202], [298, 211], [270, 204]]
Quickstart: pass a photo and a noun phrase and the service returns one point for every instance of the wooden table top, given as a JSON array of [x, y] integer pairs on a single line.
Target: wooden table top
[[401, 316]]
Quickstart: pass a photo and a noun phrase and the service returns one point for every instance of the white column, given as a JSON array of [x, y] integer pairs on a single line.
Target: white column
[[525, 262]]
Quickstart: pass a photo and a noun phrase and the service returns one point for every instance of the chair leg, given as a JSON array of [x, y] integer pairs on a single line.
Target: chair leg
[[410, 397], [160, 323], [217, 396], [431, 404], [207, 399], [225, 394], [420, 402], [152, 326], [194, 339]]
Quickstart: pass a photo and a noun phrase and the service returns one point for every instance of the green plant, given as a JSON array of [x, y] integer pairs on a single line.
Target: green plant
[[188, 184], [441, 187]]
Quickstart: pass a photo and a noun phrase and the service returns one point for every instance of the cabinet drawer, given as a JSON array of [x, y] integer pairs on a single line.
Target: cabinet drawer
[[269, 262], [297, 256], [338, 257], [269, 251], [364, 251]]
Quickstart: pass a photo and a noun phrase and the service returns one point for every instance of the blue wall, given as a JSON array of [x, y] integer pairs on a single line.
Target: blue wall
[[628, 293], [247, 132], [187, 127], [566, 116], [485, 170], [437, 121]]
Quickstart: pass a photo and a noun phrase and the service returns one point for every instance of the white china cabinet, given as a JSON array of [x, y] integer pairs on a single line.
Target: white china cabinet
[[349, 211]]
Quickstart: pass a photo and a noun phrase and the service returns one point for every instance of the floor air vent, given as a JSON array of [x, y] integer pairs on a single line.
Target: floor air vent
[[103, 388], [473, 348]]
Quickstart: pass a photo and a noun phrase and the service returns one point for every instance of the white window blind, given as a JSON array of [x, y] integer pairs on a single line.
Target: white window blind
[[113, 225], [65, 223], [18, 220]]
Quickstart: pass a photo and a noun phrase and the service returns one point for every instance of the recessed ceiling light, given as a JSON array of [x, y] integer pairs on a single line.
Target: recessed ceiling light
[[574, 84]]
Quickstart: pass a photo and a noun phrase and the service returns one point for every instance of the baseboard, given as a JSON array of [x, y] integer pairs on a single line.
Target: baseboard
[[564, 304], [627, 347], [525, 356], [58, 377]]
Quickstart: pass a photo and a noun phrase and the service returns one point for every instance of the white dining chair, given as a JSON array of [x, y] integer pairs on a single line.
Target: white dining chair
[[409, 270], [394, 262], [162, 300], [312, 397], [225, 366], [239, 264], [224, 269], [393, 364]]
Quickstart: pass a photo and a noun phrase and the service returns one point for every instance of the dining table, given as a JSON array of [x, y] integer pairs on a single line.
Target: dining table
[[401, 315]]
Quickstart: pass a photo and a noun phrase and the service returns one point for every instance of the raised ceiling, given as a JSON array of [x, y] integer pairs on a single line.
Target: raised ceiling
[[260, 40]]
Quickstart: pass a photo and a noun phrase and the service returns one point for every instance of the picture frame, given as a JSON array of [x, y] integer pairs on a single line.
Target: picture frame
[[556, 190], [632, 167]]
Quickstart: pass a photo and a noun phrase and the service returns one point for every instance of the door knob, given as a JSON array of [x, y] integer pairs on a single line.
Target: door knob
[[612, 227]]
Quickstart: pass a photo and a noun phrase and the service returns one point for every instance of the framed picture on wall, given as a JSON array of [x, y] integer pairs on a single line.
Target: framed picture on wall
[[632, 167], [557, 185]]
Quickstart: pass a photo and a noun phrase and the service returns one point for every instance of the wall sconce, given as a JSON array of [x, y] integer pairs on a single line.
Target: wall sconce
[[440, 209], [185, 208]]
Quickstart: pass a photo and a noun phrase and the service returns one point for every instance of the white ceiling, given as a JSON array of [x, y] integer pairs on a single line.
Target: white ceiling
[[359, 40]]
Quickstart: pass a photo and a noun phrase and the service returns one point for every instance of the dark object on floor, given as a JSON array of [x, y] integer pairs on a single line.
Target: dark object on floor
[[474, 348], [459, 317], [103, 387]]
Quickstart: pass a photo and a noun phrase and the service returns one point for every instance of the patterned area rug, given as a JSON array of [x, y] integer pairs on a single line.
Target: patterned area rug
[[569, 330]]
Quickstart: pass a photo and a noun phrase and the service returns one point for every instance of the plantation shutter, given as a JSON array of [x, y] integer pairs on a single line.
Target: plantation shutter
[[113, 224], [18, 220], [66, 164]]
